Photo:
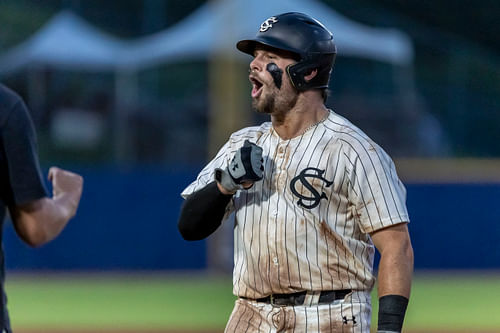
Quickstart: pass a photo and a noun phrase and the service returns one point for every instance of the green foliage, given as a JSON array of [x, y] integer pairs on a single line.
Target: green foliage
[[20, 19]]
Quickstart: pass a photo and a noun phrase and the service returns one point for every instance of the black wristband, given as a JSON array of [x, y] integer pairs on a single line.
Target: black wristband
[[391, 312]]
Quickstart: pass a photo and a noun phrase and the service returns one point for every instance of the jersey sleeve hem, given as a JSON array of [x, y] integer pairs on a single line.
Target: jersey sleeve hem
[[387, 222], [30, 196]]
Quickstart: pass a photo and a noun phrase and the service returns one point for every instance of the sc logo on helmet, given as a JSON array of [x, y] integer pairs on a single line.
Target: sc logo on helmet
[[268, 24]]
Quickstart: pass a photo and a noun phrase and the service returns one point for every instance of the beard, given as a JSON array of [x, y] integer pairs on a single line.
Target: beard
[[275, 103], [264, 104]]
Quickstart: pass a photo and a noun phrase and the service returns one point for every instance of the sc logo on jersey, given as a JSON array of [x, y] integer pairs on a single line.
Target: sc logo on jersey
[[268, 24], [314, 199]]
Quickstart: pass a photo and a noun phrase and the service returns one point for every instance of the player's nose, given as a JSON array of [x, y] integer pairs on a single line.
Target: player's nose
[[256, 64]]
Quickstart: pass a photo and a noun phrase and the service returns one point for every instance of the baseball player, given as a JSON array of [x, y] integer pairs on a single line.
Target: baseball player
[[312, 197], [37, 218]]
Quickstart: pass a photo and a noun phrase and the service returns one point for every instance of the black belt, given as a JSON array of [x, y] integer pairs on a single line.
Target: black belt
[[326, 296]]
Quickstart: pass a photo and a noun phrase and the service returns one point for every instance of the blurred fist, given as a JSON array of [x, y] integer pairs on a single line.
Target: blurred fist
[[66, 183]]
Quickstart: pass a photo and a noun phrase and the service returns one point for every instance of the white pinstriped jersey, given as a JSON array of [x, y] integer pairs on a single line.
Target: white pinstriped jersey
[[305, 225]]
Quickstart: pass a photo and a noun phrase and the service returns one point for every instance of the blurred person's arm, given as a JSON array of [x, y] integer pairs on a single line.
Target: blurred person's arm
[[40, 221], [37, 218]]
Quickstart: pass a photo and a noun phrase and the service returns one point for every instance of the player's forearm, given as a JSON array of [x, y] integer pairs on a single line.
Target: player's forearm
[[57, 215], [394, 277], [42, 220], [202, 212], [396, 270], [395, 273]]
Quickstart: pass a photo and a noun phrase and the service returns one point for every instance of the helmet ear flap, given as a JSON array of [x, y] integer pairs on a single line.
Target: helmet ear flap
[[297, 72]]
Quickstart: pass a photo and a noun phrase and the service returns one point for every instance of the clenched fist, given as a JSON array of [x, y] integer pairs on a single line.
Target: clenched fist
[[245, 168], [66, 184]]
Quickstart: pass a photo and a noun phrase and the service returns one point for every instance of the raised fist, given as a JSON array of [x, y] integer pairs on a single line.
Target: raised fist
[[66, 183], [245, 168]]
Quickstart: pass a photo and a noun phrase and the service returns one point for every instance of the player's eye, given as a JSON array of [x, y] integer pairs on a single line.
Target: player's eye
[[269, 55]]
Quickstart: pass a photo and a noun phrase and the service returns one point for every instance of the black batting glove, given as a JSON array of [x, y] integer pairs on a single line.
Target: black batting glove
[[245, 167]]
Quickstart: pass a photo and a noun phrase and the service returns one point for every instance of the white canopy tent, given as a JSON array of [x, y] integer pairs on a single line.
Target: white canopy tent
[[66, 42], [217, 25], [69, 42]]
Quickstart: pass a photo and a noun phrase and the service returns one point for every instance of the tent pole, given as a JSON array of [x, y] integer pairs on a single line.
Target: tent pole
[[125, 100], [229, 112], [37, 90]]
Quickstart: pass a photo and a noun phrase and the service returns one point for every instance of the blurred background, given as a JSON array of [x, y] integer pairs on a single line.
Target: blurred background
[[138, 95]]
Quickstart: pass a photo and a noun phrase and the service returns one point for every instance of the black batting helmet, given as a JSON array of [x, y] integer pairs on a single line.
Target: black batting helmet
[[304, 36]]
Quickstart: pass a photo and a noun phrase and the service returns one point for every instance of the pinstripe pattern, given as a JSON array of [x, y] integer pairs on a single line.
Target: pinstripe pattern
[[253, 317], [283, 245]]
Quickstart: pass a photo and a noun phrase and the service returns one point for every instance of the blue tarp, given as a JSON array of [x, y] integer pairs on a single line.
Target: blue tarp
[[127, 221]]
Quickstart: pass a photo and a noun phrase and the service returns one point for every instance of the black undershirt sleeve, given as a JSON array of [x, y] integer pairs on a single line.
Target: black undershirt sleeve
[[202, 212]]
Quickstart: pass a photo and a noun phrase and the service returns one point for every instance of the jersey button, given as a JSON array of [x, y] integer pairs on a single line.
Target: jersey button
[[275, 260]]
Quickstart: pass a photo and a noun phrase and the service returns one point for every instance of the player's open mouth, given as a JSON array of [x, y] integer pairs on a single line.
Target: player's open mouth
[[256, 87]]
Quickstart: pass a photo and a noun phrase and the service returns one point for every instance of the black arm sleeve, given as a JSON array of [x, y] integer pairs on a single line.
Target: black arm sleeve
[[202, 212]]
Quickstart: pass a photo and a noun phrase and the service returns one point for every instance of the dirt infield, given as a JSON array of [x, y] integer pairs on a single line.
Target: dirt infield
[[108, 331], [194, 331]]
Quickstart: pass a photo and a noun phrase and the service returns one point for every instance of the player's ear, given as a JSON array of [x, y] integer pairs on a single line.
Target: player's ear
[[309, 76]]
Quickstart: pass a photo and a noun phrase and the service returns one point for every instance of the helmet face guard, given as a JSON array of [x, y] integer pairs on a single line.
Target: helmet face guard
[[304, 36]]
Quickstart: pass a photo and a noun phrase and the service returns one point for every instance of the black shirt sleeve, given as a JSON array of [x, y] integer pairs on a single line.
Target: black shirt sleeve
[[202, 212], [21, 178]]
